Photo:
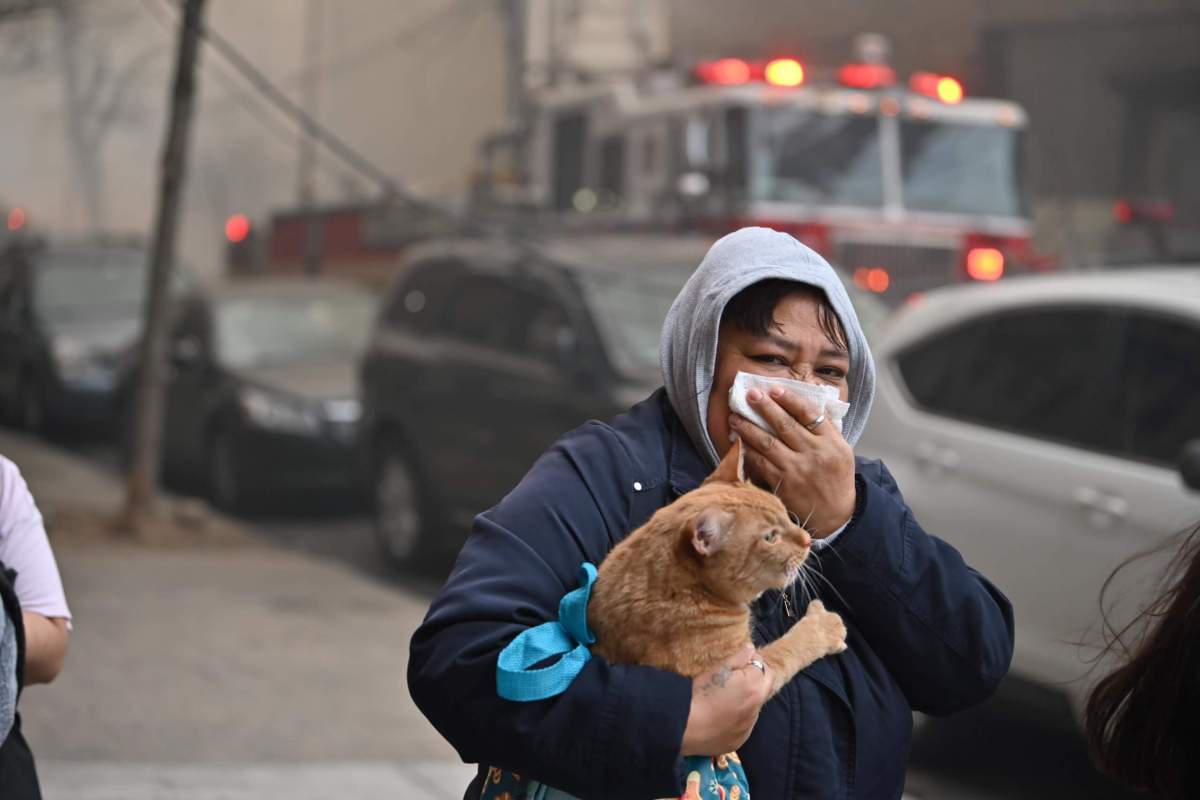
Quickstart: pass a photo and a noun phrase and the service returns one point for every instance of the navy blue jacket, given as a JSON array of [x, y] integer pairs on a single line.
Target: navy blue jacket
[[926, 632]]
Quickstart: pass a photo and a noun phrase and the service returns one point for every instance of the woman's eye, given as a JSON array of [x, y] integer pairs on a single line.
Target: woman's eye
[[778, 361], [769, 536], [837, 373]]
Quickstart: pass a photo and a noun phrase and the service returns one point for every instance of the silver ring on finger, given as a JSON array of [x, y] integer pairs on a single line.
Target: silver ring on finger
[[816, 423], [754, 662]]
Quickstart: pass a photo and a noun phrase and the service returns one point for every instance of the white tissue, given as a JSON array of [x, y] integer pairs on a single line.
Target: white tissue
[[820, 396]]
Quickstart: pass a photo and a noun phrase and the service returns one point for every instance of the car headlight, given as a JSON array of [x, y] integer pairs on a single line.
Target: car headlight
[[77, 365], [343, 412], [68, 351], [274, 411]]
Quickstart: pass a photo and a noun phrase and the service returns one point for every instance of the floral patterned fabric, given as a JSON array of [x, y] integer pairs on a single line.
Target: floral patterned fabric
[[720, 778]]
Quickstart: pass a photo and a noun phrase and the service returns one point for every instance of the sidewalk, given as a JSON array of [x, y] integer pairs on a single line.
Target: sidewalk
[[223, 671]]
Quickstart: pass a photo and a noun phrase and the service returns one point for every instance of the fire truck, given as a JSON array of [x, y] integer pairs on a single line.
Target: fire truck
[[905, 185]]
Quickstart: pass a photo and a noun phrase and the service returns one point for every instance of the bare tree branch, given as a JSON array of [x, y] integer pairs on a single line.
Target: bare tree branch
[[119, 88], [18, 9]]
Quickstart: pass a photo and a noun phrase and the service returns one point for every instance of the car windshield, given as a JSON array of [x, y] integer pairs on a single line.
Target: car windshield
[[87, 285], [629, 311], [808, 156], [961, 168], [263, 331]]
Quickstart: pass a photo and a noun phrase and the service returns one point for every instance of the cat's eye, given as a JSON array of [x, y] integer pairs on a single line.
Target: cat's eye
[[770, 536]]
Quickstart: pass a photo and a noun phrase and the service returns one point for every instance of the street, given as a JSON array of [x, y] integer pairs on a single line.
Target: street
[[232, 669]]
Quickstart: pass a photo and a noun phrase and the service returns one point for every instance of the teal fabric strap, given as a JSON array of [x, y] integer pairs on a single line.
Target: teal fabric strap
[[567, 636]]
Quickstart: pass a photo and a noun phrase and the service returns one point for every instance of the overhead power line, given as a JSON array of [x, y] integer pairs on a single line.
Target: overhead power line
[[331, 141], [424, 35], [266, 117], [280, 100], [431, 25]]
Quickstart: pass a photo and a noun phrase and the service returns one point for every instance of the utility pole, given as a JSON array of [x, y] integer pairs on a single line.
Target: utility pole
[[515, 13], [307, 167], [142, 480]]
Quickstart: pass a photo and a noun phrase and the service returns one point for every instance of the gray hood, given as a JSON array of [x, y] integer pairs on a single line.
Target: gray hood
[[689, 337]]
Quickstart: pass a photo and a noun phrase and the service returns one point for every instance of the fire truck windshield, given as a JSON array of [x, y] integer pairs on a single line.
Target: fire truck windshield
[[959, 168], [811, 157]]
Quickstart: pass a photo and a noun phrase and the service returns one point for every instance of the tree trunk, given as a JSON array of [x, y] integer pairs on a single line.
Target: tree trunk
[[142, 480]]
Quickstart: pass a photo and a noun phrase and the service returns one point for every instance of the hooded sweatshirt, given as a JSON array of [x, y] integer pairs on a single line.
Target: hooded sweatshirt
[[689, 338]]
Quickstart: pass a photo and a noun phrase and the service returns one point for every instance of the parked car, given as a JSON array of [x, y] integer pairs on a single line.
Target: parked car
[[70, 316], [485, 353], [262, 397], [1041, 426]]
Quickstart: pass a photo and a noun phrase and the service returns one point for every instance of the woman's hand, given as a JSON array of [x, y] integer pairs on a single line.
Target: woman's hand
[[725, 706], [811, 471]]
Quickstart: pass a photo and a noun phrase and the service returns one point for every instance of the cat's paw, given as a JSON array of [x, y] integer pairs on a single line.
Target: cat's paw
[[829, 626]]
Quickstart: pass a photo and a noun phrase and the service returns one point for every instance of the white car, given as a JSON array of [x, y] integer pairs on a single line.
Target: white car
[[1039, 425]]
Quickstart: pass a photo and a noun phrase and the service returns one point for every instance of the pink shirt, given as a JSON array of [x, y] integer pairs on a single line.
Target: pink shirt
[[25, 548]]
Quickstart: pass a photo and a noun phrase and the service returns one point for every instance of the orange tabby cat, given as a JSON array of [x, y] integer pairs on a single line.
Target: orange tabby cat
[[675, 594]]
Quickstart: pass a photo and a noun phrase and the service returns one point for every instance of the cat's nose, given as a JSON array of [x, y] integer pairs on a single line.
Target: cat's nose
[[805, 538]]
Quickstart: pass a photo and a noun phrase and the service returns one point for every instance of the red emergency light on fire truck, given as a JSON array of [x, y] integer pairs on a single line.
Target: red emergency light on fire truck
[[904, 183]]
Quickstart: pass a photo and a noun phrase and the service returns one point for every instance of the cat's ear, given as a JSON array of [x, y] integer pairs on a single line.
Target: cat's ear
[[732, 468], [710, 530]]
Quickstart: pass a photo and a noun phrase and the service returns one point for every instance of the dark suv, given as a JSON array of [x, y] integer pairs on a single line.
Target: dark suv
[[484, 353]]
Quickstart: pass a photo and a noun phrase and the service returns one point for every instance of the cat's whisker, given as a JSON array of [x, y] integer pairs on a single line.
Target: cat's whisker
[[832, 588], [836, 553], [811, 573], [802, 580], [810, 587], [811, 511]]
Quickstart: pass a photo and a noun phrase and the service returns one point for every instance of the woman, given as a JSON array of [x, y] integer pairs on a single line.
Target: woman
[[925, 631], [1143, 720], [36, 626]]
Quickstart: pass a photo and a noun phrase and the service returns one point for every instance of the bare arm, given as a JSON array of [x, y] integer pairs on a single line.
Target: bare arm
[[45, 647]]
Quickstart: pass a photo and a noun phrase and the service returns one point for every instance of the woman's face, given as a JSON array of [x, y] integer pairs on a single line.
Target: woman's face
[[795, 347]]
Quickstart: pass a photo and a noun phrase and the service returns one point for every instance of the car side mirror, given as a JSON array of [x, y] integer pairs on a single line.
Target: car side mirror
[[187, 352], [566, 348], [1189, 464]]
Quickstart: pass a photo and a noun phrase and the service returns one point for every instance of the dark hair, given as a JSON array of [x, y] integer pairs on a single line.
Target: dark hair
[[753, 309], [1141, 720]]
